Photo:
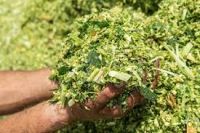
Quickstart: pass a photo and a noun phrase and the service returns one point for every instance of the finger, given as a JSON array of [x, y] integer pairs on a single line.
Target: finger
[[108, 113], [134, 99], [108, 94]]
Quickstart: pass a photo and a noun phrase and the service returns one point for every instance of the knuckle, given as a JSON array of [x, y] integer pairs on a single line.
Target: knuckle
[[90, 105], [118, 113], [111, 91]]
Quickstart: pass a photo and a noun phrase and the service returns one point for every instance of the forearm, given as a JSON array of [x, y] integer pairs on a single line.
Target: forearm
[[21, 88], [42, 118], [46, 117]]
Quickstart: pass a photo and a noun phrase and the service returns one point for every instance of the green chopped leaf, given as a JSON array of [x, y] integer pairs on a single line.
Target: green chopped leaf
[[148, 93]]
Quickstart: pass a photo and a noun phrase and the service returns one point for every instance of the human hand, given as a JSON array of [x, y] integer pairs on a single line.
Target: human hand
[[96, 109], [30, 87], [57, 116]]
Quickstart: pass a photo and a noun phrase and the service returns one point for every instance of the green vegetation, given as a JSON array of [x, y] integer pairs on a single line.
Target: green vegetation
[[115, 46], [34, 29], [112, 44]]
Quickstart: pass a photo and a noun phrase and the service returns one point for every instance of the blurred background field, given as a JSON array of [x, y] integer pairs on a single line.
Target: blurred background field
[[24, 47], [32, 33]]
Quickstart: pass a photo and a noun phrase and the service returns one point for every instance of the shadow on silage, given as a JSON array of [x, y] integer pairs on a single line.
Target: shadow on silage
[[147, 6]]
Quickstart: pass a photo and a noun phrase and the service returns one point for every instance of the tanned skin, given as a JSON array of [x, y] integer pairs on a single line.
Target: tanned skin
[[25, 93]]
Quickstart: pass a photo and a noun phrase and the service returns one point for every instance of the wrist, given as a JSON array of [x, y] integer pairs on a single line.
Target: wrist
[[48, 117], [63, 115], [44, 86], [46, 74]]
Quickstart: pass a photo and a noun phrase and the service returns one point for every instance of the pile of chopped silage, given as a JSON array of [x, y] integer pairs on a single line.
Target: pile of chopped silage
[[32, 31], [120, 45]]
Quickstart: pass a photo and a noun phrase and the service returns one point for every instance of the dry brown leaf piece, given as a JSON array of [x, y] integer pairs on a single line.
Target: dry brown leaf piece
[[171, 100], [191, 128]]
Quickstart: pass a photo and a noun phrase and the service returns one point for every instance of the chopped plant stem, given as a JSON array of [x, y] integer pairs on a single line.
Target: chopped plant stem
[[119, 75], [181, 64], [165, 71]]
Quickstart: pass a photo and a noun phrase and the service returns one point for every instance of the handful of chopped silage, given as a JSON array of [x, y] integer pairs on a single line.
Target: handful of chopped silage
[[103, 49], [120, 45]]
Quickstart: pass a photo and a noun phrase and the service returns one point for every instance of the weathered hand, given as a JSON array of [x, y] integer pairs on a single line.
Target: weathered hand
[[34, 86], [95, 110]]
